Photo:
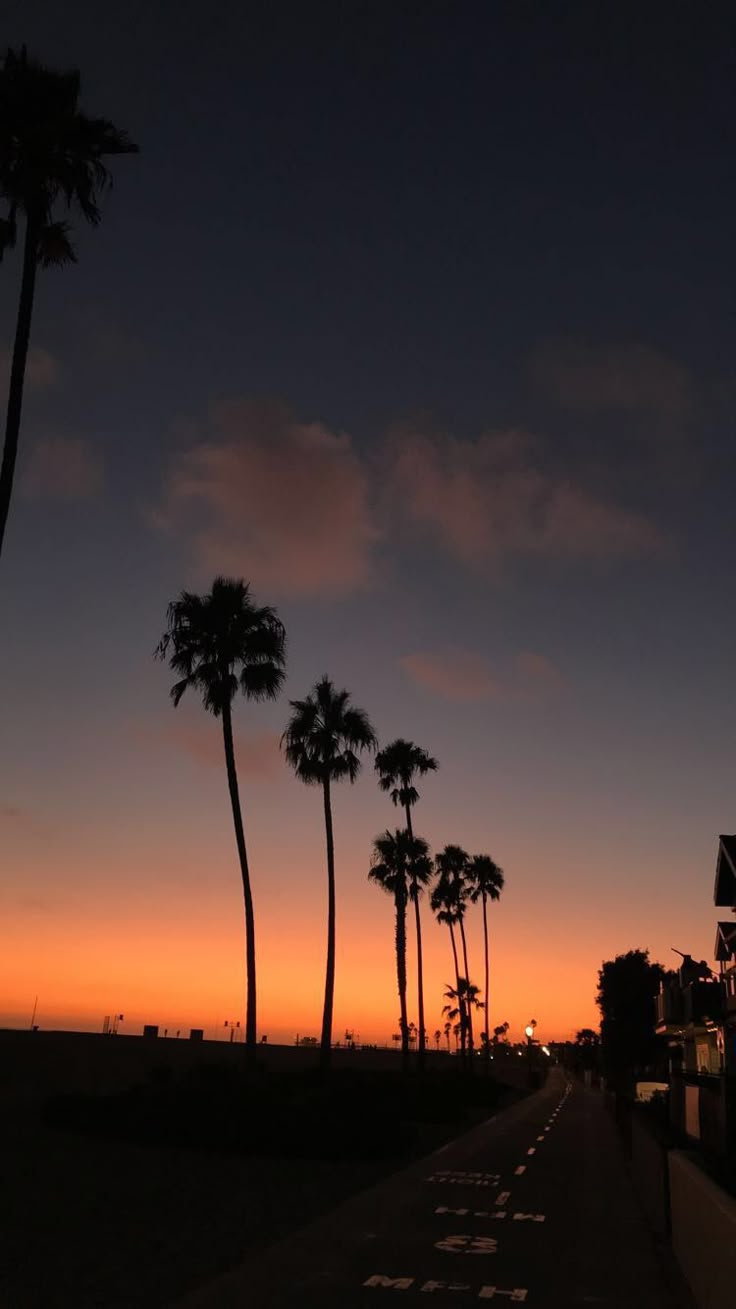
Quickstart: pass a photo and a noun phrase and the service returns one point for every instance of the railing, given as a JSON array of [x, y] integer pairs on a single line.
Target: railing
[[696, 1004]]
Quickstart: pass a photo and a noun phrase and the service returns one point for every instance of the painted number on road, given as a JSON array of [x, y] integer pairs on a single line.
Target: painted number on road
[[462, 1244]]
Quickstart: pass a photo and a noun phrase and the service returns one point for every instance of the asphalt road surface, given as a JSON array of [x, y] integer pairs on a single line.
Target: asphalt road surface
[[533, 1207]]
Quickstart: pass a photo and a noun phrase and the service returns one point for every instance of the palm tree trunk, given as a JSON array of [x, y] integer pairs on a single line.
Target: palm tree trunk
[[460, 1001], [420, 969], [401, 975], [467, 978], [485, 947], [250, 927], [326, 1043], [17, 372]]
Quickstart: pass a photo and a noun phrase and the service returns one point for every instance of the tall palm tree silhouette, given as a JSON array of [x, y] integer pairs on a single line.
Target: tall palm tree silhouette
[[398, 765], [450, 898], [400, 865], [50, 152], [486, 882], [219, 644], [322, 742]]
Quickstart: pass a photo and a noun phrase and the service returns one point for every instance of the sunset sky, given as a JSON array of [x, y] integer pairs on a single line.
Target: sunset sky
[[419, 317]]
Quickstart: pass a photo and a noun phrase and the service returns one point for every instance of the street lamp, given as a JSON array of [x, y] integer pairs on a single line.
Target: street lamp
[[529, 1030]]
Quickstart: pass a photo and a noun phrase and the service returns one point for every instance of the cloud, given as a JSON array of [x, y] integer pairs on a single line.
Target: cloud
[[63, 468], [257, 755], [295, 509], [627, 378], [42, 369], [11, 812], [537, 672], [453, 674], [466, 676], [489, 499], [284, 503]]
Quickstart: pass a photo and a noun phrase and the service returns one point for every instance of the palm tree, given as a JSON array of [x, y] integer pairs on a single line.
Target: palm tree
[[219, 644], [437, 1038], [442, 901], [461, 1001], [322, 742], [451, 891], [398, 765], [447, 1028], [50, 152], [486, 883], [399, 862]]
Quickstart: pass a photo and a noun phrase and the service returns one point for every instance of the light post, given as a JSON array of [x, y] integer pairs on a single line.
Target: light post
[[529, 1033]]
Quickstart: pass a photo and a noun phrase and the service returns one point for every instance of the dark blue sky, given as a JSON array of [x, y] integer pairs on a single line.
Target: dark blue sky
[[414, 224]]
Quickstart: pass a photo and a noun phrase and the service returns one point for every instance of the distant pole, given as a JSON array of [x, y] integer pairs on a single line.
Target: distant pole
[[33, 1015]]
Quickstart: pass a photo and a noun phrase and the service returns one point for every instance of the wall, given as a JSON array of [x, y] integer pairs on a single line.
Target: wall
[[34, 1065], [703, 1232]]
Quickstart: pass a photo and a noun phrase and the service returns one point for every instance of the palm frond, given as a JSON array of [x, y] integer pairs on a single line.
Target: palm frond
[[220, 643], [49, 150], [54, 246], [325, 735]]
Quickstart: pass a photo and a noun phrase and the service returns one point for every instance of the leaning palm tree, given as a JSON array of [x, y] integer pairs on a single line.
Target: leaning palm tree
[[486, 883], [50, 154], [219, 644], [398, 765], [452, 891], [322, 742]]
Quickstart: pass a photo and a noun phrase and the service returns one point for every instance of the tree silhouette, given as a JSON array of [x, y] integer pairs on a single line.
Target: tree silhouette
[[322, 742], [50, 153], [451, 896], [627, 986], [499, 1033], [486, 883], [437, 1038], [399, 865], [446, 916], [586, 1038], [447, 1029], [461, 1001], [398, 766], [219, 644]]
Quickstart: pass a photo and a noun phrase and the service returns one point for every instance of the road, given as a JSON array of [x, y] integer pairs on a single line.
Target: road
[[533, 1207]]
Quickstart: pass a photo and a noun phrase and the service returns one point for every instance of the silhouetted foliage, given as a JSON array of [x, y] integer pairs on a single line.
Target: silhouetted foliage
[[50, 153], [221, 644], [485, 880], [462, 999], [398, 765], [449, 901], [627, 986], [401, 866], [323, 742]]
